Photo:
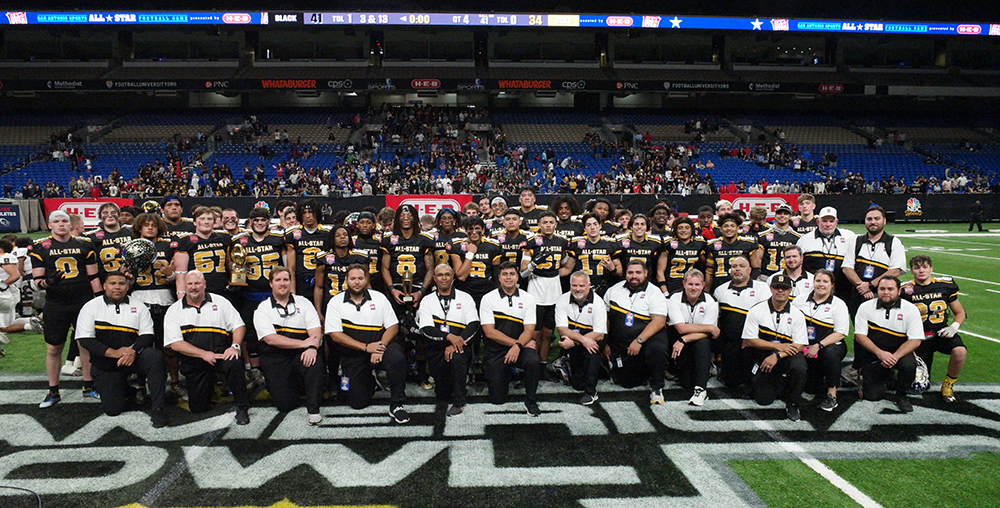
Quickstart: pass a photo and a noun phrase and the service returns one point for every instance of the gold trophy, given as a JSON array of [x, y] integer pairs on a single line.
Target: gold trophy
[[407, 286], [238, 275]]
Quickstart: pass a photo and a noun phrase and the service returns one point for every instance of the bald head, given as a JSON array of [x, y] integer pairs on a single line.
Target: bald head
[[194, 284]]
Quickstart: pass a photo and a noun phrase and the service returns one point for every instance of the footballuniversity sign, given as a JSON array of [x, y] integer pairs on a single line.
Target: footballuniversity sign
[[619, 452]]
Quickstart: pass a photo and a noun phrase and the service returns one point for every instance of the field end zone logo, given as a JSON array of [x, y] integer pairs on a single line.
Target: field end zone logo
[[474, 459]]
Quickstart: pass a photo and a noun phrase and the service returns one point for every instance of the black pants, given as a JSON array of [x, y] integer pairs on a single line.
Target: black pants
[[498, 373], [876, 379], [824, 370], [201, 382], [112, 384], [736, 362], [694, 363], [767, 386], [449, 376], [359, 372], [584, 367], [648, 365], [287, 378], [977, 220]]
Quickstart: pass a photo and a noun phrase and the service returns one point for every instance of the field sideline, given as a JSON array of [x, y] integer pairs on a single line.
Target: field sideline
[[620, 452]]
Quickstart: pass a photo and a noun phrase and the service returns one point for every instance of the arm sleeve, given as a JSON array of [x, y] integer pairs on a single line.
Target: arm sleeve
[[146, 333], [308, 312], [841, 317], [84, 328], [914, 325], [657, 302], [674, 314], [898, 259], [849, 256], [712, 313], [861, 321], [799, 335], [233, 319], [470, 330], [530, 311], [425, 316], [388, 315], [95, 347]]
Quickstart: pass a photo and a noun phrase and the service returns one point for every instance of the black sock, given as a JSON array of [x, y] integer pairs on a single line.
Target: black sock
[[88, 384], [54, 389]]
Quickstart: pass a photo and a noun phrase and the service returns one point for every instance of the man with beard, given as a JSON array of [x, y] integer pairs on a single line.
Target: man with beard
[[825, 248], [595, 255], [637, 315], [727, 247], [735, 298], [205, 251], [304, 242], [772, 243], [875, 255], [887, 330], [802, 281], [290, 339], [681, 253], [582, 322], [776, 331], [449, 319], [362, 322]]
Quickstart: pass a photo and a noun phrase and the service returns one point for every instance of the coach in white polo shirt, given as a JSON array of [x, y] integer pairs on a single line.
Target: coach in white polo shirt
[[777, 331], [887, 330], [290, 337], [507, 316], [363, 324], [693, 319], [208, 332], [448, 318], [582, 322], [874, 255], [826, 247], [637, 315]]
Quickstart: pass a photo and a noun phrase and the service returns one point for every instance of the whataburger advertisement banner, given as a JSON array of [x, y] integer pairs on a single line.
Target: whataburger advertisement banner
[[86, 208]]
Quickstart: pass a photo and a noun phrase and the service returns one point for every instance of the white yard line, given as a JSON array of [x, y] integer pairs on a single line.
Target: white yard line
[[991, 339], [939, 235], [991, 291], [936, 252], [961, 241], [809, 460], [968, 278]]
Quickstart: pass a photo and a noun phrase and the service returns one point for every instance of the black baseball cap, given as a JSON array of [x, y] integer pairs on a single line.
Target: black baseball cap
[[781, 280]]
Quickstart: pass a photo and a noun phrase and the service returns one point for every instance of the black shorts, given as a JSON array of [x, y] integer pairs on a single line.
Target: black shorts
[[59, 317], [545, 317], [939, 344]]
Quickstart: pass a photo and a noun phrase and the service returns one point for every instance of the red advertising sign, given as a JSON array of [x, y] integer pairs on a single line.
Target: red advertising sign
[[86, 208], [429, 203], [770, 201]]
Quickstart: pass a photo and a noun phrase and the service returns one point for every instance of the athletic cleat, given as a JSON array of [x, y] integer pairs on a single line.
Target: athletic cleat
[[179, 391], [588, 399], [455, 410], [532, 408], [699, 397], [561, 366], [656, 396], [242, 416], [90, 393], [792, 411], [50, 400], [36, 325], [4, 339], [903, 403], [315, 419], [427, 384], [948, 389], [68, 369], [398, 414], [829, 403], [159, 418], [140, 396]]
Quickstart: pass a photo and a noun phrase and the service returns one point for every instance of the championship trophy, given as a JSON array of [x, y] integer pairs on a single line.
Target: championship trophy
[[138, 256], [238, 275], [407, 286]]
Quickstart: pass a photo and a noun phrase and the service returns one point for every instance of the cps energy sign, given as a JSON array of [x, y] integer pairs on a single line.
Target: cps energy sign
[[85, 208], [429, 204]]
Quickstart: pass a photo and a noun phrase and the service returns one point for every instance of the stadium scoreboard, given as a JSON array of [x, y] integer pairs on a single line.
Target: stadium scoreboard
[[527, 20]]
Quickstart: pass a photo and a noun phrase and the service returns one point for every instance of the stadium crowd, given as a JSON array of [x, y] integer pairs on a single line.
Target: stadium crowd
[[379, 298]]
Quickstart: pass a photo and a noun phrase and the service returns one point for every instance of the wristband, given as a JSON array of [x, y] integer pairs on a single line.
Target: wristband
[[519, 346], [777, 354], [470, 256], [314, 348], [821, 346]]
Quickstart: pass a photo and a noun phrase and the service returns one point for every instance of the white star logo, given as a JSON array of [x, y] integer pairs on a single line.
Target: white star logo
[[756, 24], [675, 23]]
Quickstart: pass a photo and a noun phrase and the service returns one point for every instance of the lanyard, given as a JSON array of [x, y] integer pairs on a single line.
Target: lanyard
[[445, 303]]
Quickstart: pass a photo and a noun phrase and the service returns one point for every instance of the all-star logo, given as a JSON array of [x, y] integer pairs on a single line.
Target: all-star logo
[[193, 238], [673, 244], [908, 289], [297, 234], [581, 244], [502, 237], [243, 241], [539, 241], [394, 240], [770, 237], [99, 235], [625, 243]]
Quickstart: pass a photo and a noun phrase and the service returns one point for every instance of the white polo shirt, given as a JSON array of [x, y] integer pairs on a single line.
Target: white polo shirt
[[705, 310], [365, 322], [874, 259], [508, 314], [592, 316], [787, 326], [293, 321], [449, 315], [888, 328], [208, 327], [824, 318]]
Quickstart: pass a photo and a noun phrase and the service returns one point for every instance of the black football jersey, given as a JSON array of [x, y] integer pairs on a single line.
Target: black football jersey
[[107, 246], [407, 254], [262, 257], [610, 229], [682, 257], [151, 278], [647, 250], [370, 247], [529, 220], [306, 246], [723, 252], [71, 258], [804, 227], [335, 270], [570, 229], [182, 228], [443, 244], [482, 276], [932, 300], [773, 243], [208, 256], [511, 246], [588, 257], [552, 250]]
